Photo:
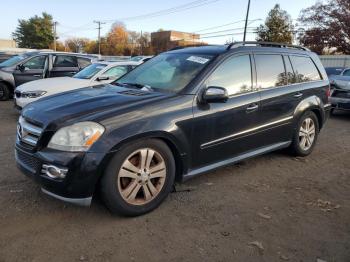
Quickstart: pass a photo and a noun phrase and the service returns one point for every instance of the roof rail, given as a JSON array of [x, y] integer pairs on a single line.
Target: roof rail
[[266, 44]]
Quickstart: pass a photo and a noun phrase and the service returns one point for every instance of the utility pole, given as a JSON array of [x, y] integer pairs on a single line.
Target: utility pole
[[99, 35], [55, 35], [246, 22]]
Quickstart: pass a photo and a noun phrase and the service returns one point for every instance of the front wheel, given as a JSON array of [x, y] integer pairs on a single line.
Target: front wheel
[[305, 135], [138, 178]]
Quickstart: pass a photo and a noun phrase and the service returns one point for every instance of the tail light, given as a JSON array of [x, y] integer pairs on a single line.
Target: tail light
[[328, 92]]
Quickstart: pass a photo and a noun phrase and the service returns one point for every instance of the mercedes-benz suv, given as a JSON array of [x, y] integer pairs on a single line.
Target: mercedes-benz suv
[[183, 113]]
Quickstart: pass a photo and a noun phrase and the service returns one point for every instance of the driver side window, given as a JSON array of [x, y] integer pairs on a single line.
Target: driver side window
[[37, 62], [234, 74], [346, 72]]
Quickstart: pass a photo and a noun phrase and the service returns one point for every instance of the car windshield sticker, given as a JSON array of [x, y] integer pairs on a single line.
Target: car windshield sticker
[[197, 59]]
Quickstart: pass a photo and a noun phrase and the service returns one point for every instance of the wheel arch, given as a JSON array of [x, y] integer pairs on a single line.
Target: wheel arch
[[313, 104]]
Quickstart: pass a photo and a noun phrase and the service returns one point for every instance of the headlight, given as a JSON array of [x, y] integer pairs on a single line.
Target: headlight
[[77, 137], [33, 94]]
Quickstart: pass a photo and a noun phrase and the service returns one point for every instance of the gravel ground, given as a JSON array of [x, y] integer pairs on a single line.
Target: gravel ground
[[271, 208]]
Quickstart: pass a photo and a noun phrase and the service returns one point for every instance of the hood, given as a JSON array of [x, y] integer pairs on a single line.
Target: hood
[[87, 104], [54, 85]]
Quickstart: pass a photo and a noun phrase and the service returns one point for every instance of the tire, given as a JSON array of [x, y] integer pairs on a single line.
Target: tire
[[298, 147], [126, 189], [4, 92]]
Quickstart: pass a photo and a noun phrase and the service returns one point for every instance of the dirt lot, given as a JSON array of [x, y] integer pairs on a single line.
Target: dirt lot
[[271, 208]]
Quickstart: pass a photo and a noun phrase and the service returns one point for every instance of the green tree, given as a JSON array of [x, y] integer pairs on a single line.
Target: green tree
[[278, 27], [36, 32]]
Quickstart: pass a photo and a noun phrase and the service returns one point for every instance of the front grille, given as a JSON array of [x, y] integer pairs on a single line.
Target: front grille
[[30, 162], [28, 133]]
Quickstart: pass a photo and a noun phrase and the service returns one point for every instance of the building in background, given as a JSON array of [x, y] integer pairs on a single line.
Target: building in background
[[164, 40], [7, 43]]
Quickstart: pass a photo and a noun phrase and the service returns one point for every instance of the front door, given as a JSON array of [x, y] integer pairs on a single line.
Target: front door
[[226, 130], [32, 69]]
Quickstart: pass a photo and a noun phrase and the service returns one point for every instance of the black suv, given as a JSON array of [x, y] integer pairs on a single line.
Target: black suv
[[183, 113], [36, 65]]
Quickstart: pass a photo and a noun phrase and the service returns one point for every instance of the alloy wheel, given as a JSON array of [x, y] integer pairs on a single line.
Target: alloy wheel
[[141, 176], [307, 134]]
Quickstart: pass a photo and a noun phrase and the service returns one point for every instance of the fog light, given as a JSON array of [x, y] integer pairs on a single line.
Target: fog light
[[54, 171]]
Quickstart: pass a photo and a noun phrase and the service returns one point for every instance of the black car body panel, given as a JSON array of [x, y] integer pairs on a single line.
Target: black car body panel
[[201, 136]]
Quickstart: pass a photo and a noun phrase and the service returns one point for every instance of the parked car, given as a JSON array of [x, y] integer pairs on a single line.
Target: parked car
[[334, 70], [340, 97], [37, 65], [95, 74], [141, 58], [183, 113]]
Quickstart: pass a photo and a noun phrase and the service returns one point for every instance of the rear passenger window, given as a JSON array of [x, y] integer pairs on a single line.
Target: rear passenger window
[[270, 71], [235, 74], [65, 61], [305, 70]]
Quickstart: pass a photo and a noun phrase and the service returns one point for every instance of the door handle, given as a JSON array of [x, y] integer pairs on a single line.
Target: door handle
[[252, 107], [298, 95]]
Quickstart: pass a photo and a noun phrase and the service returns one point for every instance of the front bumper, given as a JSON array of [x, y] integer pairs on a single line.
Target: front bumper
[[78, 186]]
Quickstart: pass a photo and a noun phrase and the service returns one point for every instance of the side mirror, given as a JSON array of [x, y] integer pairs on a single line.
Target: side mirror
[[214, 94], [102, 78], [20, 68]]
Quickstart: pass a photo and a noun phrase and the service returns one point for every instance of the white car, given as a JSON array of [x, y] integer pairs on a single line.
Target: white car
[[95, 74]]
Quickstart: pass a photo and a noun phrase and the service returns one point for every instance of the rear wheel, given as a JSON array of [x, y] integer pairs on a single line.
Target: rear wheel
[[138, 178], [305, 135], [4, 92]]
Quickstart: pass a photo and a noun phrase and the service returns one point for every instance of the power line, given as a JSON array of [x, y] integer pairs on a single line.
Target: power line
[[227, 30], [219, 26], [168, 11], [240, 33]]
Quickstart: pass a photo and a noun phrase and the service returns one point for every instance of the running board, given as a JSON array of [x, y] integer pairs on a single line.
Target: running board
[[236, 159]]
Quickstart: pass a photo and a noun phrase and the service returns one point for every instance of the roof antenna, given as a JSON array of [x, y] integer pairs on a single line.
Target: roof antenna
[[246, 23]]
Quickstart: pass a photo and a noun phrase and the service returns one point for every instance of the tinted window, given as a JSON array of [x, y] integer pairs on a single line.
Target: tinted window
[[305, 70], [65, 61], [234, 74], [83, 62], [334, 70], [346, 72], [116, 72], [37, 62], [270, 71], [169, 71]]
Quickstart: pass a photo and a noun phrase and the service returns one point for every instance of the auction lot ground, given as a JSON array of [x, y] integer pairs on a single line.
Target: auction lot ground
[[271, 208]]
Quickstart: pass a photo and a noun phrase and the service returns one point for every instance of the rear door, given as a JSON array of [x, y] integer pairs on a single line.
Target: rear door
[[64, 65], [225, 130], [278, 97], [33, 69]]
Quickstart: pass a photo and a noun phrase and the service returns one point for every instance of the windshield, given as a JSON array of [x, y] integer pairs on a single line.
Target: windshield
[[12, 61], [169, 72], [89, 71]]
